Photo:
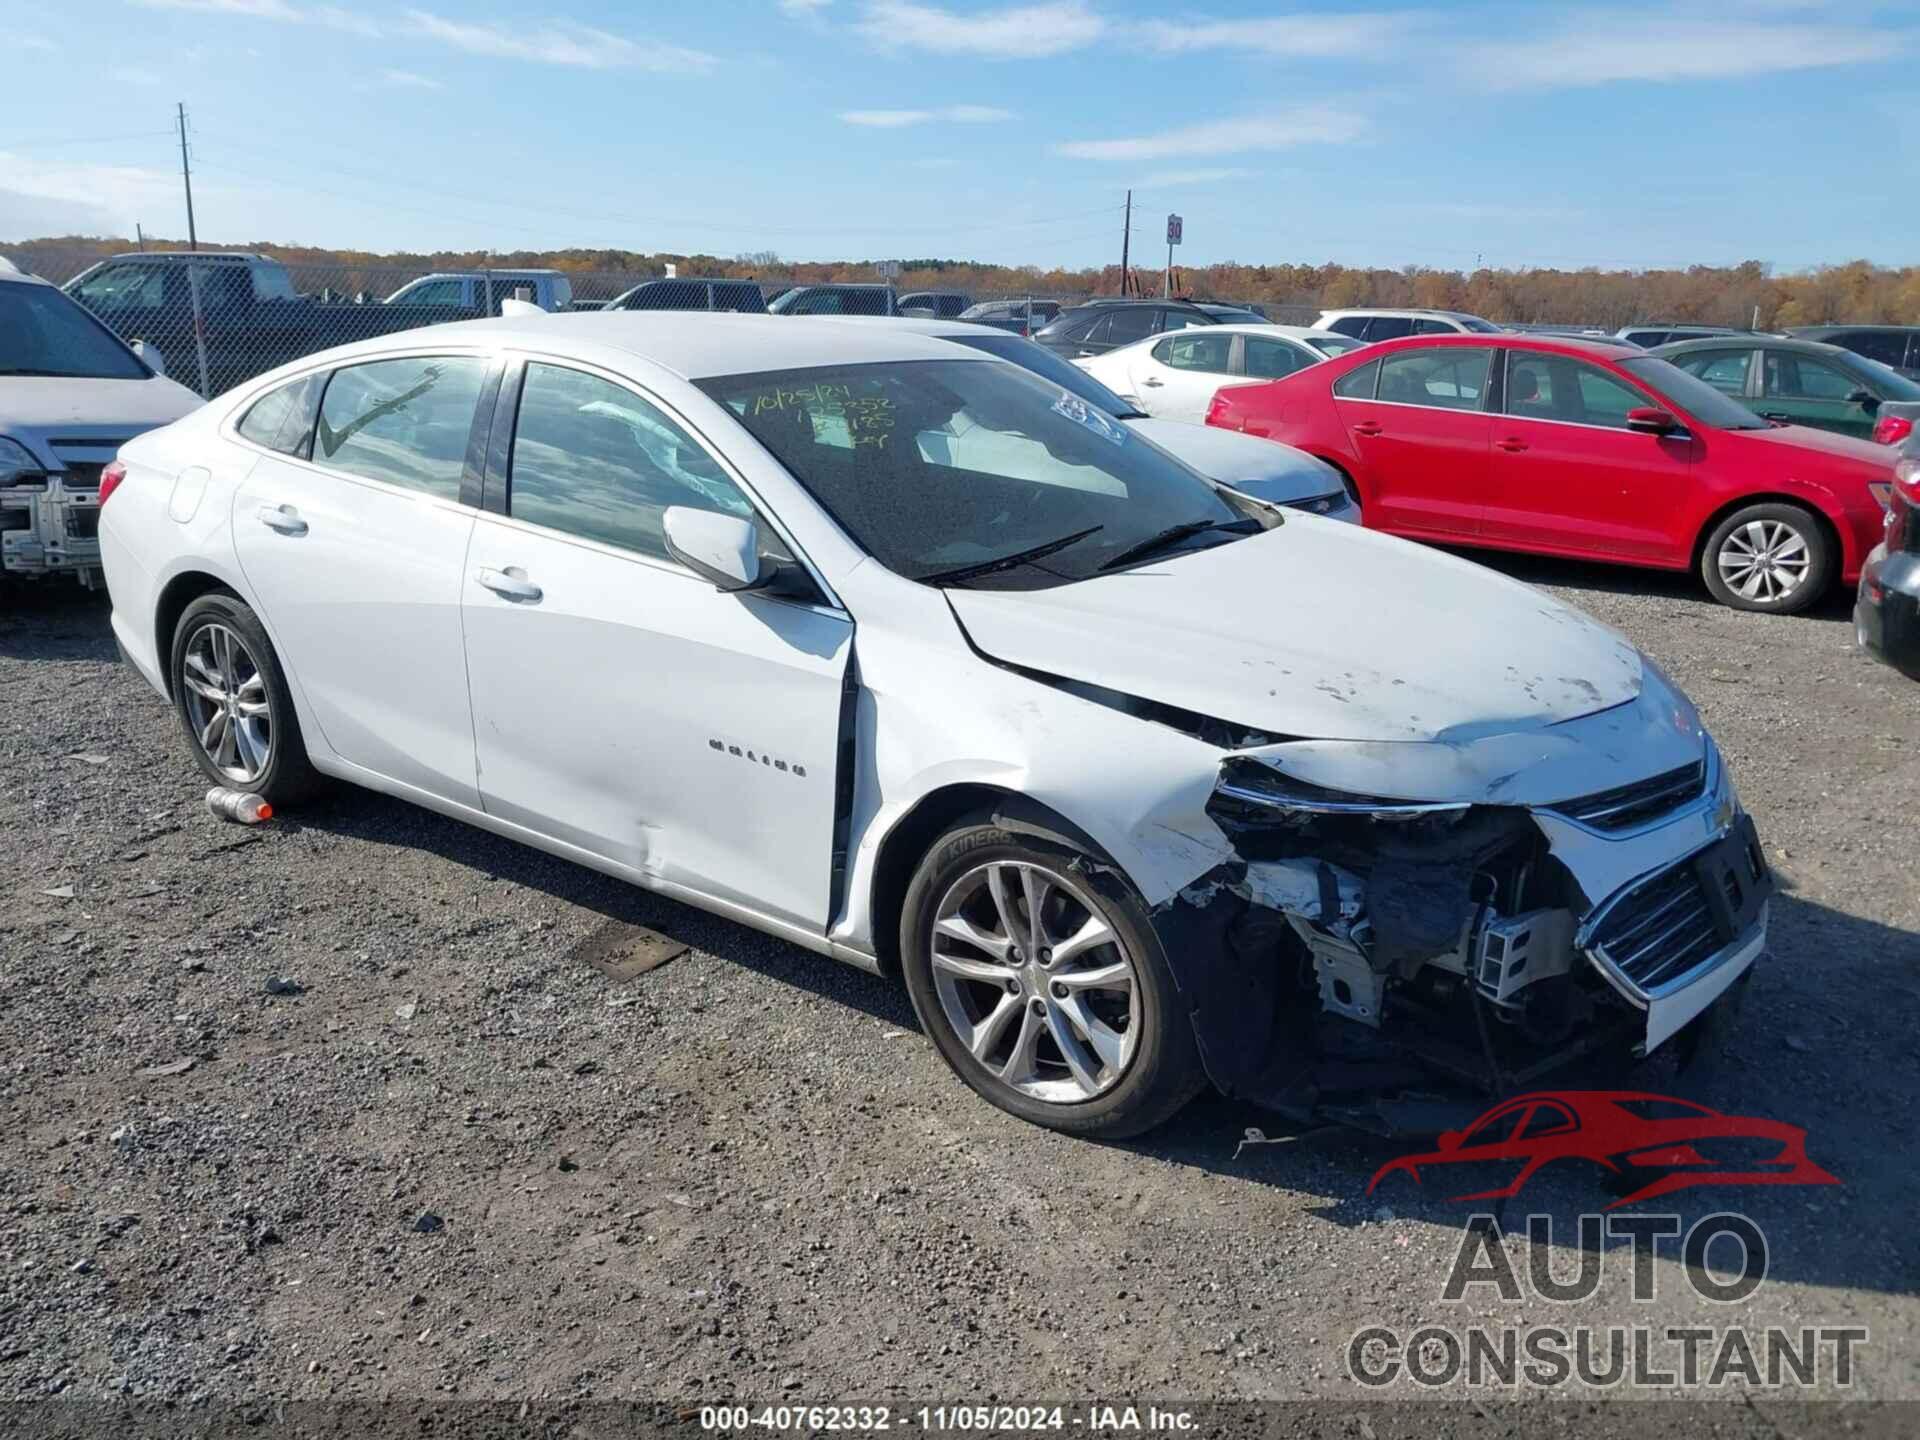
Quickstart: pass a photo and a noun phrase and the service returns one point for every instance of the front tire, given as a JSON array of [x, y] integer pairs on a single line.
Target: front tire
[[1773, 557], [233, 702], [1043, 985]]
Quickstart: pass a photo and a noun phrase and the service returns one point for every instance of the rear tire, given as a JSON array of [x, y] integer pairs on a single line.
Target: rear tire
[[234, 704], [1772, 557], [1060, 1041]]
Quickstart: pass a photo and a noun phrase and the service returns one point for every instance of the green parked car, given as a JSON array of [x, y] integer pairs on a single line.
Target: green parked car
[[1803, 382]]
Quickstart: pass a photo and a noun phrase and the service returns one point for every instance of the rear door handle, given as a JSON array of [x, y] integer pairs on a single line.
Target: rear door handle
[[283, 518], [1368, 427], [1513, 445], [511, 583]]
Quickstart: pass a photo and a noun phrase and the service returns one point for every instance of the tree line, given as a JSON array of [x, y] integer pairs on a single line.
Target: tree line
[[1738, 295]]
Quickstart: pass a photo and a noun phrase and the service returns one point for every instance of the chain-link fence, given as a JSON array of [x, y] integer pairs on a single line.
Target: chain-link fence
[[213, 320]]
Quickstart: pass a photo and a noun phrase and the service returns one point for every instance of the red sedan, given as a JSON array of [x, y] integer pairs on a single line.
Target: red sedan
[[1581, 448]]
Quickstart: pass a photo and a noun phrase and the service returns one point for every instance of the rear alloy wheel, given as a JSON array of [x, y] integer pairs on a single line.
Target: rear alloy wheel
[[1771, 557], [233, 702], [1043, 985]]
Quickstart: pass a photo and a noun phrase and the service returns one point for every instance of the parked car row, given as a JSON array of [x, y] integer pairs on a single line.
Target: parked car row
[[975, 683]]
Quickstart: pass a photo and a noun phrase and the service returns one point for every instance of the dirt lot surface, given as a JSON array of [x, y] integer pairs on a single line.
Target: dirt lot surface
[[458, 1157]]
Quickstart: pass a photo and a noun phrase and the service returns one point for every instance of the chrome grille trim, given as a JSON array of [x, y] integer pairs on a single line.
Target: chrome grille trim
[[1626, 807]]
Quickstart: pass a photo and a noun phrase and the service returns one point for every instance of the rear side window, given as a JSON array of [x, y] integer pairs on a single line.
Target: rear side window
[[282, 419], [1445, 379], [404, 422], [1886, 346], [593, 459], [1126, 326], [1196, 350], [1358, 383], [1270, 359], [1388, 327]]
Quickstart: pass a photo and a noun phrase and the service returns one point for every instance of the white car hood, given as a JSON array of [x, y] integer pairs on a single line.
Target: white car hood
[[45, 402], [1264, 469], [1318, 629]]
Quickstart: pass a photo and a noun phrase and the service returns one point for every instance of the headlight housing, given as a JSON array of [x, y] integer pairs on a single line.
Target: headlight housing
[[1258, 791], [17, 465]]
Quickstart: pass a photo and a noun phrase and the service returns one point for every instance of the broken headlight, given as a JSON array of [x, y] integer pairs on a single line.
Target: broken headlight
[[17, 465], [1251, 789]]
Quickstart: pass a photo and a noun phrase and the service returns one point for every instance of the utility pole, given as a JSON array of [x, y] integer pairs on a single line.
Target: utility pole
[[1126, 237], [186, 177], [139, 235]]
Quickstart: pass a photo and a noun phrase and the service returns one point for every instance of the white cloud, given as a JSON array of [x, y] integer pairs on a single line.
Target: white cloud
[[1310, 125], [557, 43], [897, 119], [1657, 45], [1166, 179], [39, 199], [409, 80], [1310, 36], [330, 16], [1012, 33]]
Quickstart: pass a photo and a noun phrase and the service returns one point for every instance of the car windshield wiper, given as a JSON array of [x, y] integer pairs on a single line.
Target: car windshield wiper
[[1007, 562], [1173, 535]]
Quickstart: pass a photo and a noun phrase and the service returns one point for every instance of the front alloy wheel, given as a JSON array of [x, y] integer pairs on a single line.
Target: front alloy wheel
[[1772, 557], [1034, 981], [1036, 970]]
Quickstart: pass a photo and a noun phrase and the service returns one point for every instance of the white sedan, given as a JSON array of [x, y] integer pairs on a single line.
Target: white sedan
[[1137, 783], [1175, 377]]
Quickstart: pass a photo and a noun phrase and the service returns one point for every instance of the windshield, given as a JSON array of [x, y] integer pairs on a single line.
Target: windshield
[[1043, 362], [1693, 395], [1477, 325], [933, 466], [1331, 344], [1893, 385], [42, 332], [1226, 315]]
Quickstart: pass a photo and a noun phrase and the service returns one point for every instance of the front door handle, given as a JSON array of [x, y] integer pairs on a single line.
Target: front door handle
[[1368, 427], [1513, 445], [283, 518], [511, 583], [1780, 415], [1155, 384]]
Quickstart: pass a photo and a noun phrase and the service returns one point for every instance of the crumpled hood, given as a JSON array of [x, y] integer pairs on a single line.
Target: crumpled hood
[[1264, 469], [48, 402], [1318, 629]]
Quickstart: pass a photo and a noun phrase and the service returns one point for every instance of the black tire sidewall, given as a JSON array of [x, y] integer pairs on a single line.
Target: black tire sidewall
[[1165, 1071], [1819, 547], [288, 776]]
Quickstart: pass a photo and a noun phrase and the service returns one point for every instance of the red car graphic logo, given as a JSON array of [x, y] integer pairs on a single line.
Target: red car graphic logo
[[1668, 1143]]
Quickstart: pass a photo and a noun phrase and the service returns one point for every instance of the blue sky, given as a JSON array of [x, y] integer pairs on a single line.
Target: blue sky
[[1583, 133]]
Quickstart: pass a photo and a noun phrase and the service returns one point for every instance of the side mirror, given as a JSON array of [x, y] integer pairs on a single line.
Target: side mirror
[[1450, 1140], [1865, 399], [150, 356], [1650, 420], [722, 548]]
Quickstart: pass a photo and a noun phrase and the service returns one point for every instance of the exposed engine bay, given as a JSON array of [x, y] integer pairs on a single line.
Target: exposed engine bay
[[1376, 949]]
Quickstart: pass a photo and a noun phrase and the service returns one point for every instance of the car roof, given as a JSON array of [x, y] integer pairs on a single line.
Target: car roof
[[12, 274], [692, 344], [1555, 344], [1398, 310], [1838, 328], [245, 255], [1747, 340]]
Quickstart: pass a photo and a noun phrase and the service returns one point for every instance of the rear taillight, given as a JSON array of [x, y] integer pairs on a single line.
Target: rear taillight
[[110, 479], [1217, 411], [1906, 479], [1892, 429]]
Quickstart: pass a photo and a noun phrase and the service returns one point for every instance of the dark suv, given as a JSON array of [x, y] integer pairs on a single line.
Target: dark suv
[[1894, 345], [1103, 325]]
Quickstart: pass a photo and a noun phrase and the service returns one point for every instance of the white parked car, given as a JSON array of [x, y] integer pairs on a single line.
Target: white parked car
[[1175, 377], [1374, 324], [1138, 784], [71, 393], [1265, 469]]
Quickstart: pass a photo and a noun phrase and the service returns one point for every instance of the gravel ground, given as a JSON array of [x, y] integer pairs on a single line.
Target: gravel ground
[[466, 1154]]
